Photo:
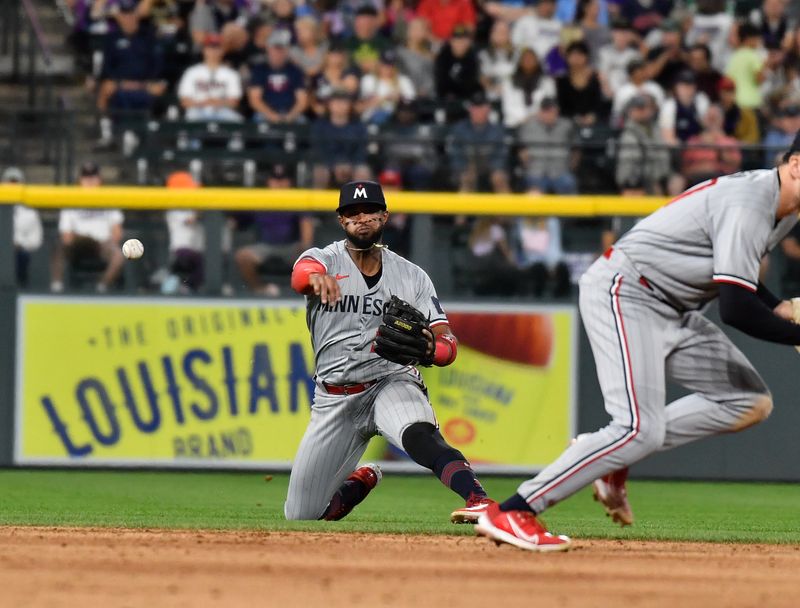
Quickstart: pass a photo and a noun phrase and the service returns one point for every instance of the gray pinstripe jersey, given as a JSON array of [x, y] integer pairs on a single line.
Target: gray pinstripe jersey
[[716, 232], [342, 335]]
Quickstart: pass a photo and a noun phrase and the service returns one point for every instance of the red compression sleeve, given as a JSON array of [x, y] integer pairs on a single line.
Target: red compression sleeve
[[445, 350], [301, 272]]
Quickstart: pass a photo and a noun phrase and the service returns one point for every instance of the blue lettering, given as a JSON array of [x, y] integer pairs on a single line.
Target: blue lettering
[[230, 380], [262, 379], [61, 430], [377, 307], [130, 401], [82, 393], [352, 303], [298, 375], [365, 308], [173, 389], [200, 384], [339, 306]]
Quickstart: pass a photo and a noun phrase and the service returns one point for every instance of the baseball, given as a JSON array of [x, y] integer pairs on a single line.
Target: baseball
[[132, 249]]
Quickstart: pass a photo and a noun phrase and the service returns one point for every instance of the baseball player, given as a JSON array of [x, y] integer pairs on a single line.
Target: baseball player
[[640, 303], [367, 384]]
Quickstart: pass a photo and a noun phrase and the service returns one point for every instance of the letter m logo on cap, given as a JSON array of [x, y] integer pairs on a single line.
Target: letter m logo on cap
[[360, 192]]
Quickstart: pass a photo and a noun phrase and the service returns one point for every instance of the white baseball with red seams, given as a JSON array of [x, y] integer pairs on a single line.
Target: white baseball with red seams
[[132, 249]]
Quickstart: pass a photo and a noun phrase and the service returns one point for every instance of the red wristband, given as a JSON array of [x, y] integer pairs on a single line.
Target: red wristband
[[445, 350], [301, 272]]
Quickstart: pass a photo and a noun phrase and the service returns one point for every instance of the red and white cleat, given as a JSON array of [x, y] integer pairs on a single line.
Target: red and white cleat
[[370, 475], [470, 512], [610, 492], [519, 528]]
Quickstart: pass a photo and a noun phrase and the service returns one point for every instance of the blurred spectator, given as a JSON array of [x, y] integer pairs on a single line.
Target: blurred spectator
[[787, 82], [707, 77], [545, 151], [772, 23], [398, 17], [409, 148], [415, 58], [456, 68], [277, 90], [89, 238], [254, 53], [444, 16], [492, 267], [380, 92], [739, 123], [367, 43], [27, 228], [309, 52], [614, 58], [785, 125], [187, 242], [638, 84], [176, 41], [210, 90], [397, 233], [282, 14], [538, 29], [595, 34], [477, 149], [223, 17], [336, 74], [667, 59], [681, 114], [525, 90], [711, 27], [595, 161], [282, 236], [497, 60], [643, 163], [339, 144], [579, 90], [338, 16], [645, 15], [567, 10], [555, 63], [721, 156], [747, 68], [542, 256]]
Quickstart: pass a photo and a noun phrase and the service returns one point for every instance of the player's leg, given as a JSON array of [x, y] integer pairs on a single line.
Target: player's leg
[[404, 416], [728, 393], [329, 451]]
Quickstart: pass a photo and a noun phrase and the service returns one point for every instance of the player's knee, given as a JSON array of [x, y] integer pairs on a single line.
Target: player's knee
[[759, 410], [651, 437], [423, 442]]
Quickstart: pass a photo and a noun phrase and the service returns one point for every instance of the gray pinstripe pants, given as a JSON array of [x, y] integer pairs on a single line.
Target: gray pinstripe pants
[[638, 341], [338, 433]]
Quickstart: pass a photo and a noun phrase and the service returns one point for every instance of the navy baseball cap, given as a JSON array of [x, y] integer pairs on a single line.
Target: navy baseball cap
[[360, 193]]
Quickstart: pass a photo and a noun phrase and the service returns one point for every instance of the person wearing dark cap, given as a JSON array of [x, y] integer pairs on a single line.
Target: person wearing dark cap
[[681, 115], [477, 149], [383, 90], [89, 238], [367, 43], [444, 16], [211, 90], [27, 228], [740, 123], [277, 90], [638, 84], [280, 236], [364, 385], [456, 68]]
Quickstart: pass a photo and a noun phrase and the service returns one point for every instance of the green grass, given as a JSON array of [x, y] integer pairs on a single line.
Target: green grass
[[724, 512]]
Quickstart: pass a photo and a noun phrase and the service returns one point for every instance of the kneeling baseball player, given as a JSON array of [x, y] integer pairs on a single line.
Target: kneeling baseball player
[[373, 316], [641, 305]]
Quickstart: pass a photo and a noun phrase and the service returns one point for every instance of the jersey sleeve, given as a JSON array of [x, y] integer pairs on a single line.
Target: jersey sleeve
[[428, 302], [739, 239], [320, 255]]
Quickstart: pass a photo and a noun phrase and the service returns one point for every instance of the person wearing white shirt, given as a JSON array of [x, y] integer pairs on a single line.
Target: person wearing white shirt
[[637, 84], [539, 29], [210, 90], [613, 59], [27, 228], [713, 28], [381, 91], [523, 93], [89, 234], [498, 60], [187, 242]]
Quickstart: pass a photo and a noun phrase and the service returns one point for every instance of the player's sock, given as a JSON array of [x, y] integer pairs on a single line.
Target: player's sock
[[457, 475], [349, 494], [516, 503]]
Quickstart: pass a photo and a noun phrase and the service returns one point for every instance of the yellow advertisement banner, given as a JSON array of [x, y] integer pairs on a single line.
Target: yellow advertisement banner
[[179, 382]]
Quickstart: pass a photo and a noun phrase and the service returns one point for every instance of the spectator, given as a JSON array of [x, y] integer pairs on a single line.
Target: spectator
[[409, 148], [545, 151], [643, 164], [443, 16], [555, 63], [277, 91], [595, 161], [380, 92], [254, 53], [785, 123], [579, 91], [492, 267], [681, 114], [645, 15], [282, 236], [282, 14], [456, 68], [747, 68], [699, 59], [666, 60], [595, 34], [399, 15], [528, 86], [415, 58], [497, 60], [739, 123], [187, 242], [541, 255], [366, 44], [613, 59], [477, 149], [336, 74], [309, 52], [638, 84], [339, 144], [89, 237], [223, 17], [538, 29], [711, 27], [210, 90], [339, 15], [771, 23], [711, 153], [397, 233], [27, 229]]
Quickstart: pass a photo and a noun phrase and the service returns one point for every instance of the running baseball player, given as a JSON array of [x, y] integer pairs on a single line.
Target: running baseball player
[[640, 303], [373, 316]]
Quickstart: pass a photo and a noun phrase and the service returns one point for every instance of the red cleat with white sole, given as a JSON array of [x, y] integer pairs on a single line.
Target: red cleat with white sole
[[610, 492], [370, 475], [519, 528], [470, 512]]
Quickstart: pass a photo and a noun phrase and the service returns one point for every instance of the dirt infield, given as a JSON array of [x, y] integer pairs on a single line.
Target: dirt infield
[[102, 567]]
